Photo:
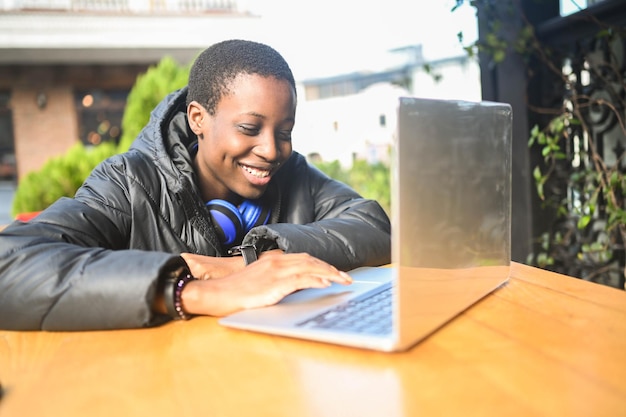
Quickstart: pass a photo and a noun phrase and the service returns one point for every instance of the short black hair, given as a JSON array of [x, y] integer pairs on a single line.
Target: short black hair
[[216, 67]]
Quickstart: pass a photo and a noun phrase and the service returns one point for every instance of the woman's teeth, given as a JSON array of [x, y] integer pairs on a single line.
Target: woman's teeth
[[259, 173]]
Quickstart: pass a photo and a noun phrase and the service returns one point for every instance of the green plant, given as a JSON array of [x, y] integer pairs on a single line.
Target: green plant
[[370, 180], [580, 178], [148, 91], [333, 169], [60, 176]]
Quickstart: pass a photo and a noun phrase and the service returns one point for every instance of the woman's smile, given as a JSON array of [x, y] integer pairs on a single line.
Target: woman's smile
[[257, 176]]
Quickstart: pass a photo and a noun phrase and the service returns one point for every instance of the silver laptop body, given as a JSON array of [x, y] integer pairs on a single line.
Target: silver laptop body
[[451, 225]]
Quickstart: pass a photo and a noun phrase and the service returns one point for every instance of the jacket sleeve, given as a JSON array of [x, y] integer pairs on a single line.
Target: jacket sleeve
[[70, 269], [329, 220]]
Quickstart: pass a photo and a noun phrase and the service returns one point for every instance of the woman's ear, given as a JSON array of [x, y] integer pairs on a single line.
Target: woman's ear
[[195, 117]]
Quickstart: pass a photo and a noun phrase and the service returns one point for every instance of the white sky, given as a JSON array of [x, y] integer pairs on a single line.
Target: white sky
[[329, 37]]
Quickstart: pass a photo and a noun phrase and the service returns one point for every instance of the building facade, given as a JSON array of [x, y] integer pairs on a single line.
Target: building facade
[[66, 66], [353, 116]]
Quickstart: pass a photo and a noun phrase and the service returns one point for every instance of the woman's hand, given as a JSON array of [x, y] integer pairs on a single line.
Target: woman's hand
[[262, 283], [210, 267]]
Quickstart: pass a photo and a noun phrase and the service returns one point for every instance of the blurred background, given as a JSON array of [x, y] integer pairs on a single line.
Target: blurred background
[[67, 67], [78, 79]]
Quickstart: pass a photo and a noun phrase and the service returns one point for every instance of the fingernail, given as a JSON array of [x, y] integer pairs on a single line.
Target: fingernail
[[345, 276]]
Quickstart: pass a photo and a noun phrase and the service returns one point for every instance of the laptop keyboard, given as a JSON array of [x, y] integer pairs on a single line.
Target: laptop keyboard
[[369, 314]]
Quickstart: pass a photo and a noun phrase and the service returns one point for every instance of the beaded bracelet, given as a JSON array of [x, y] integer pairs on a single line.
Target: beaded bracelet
[[174, 286]]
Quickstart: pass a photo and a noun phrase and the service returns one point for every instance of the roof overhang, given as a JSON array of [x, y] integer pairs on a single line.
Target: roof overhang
[[78, 38]]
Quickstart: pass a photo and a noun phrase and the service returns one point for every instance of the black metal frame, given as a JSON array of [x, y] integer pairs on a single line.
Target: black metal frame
[[509, 82]]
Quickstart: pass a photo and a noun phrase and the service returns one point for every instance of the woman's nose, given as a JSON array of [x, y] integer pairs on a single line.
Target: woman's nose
[[267, 146]]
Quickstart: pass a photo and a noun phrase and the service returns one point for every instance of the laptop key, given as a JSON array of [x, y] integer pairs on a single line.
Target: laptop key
[[371, 315]]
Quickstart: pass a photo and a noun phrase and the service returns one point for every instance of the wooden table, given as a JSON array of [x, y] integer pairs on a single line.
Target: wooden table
[[544, 345]]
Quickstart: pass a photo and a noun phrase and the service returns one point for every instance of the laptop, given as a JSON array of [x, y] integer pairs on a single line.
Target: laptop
[[451, 235]]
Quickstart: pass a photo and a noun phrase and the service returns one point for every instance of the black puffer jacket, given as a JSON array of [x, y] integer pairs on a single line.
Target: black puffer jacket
[[92, 262]]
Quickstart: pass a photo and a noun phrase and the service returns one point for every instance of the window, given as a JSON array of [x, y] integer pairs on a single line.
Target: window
[[572, 6], [8, 169], [100, 115]]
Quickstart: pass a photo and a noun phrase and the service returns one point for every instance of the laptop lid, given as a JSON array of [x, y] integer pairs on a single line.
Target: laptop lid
[[451, 205], [451, 209]]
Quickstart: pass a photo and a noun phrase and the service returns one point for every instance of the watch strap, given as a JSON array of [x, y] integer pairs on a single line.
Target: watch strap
[[248, 252]]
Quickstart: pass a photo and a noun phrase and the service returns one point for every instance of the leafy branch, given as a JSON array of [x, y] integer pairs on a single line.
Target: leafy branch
[[578, 180]]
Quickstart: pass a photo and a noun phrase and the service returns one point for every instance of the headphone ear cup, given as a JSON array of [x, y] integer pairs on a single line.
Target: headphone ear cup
[[227, 220], [253, 214]]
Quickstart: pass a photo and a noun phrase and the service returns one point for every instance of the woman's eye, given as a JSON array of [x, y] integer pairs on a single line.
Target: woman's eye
[[284, 135], [248, 129]]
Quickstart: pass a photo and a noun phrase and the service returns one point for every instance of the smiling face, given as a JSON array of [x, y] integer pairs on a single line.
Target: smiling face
[[244, 143]]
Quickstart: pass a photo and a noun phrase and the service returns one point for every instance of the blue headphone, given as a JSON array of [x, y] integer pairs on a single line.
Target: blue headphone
[[232, 223]]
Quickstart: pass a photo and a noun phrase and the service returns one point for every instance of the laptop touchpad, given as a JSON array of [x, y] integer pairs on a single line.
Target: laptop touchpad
[[331, 294]]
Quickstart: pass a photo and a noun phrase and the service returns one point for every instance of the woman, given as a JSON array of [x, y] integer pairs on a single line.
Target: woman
[[154, 233]]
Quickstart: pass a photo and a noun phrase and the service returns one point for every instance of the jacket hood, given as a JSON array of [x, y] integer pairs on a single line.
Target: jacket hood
[[166, 138]]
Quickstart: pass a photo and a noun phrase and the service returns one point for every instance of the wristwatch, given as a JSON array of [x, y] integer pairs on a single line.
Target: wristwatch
[[247, 251]]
